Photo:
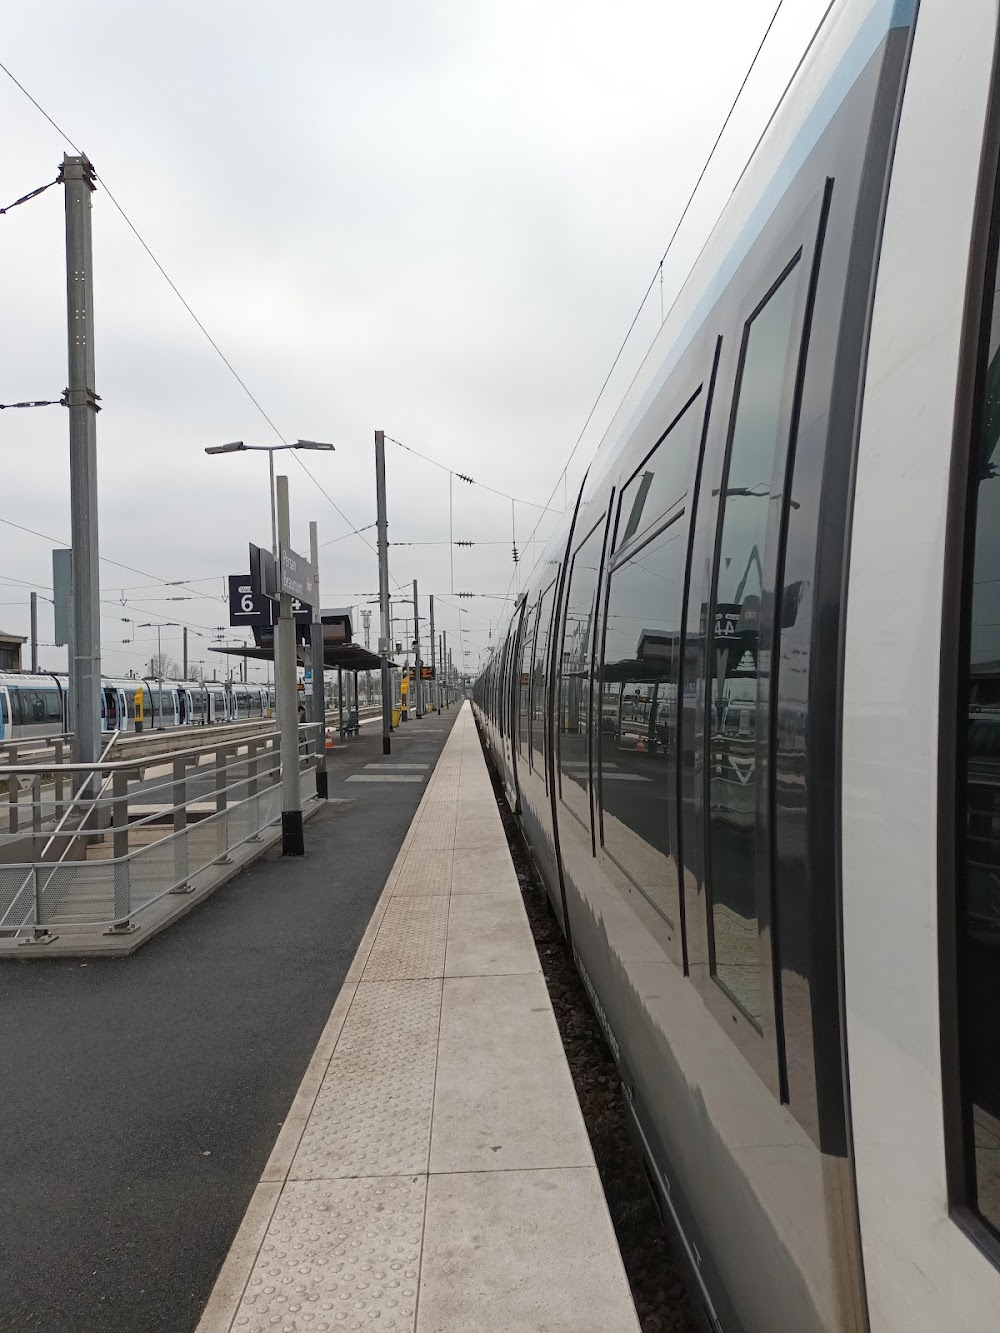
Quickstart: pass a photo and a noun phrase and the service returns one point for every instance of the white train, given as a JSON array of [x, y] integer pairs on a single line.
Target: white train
[[35, 705], [748, 710]]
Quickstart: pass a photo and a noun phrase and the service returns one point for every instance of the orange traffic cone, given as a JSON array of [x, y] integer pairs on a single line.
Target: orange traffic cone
[[640, 745]]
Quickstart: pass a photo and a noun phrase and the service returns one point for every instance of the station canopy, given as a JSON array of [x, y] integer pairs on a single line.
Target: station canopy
[[339, 649]]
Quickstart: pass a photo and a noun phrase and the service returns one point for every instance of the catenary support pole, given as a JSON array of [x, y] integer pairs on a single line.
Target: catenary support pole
[[384, 646], [316, 665], [435, 703], [184, 653], [292, 839], [444, 666], [419, 701], [34, 633], [81, 398]]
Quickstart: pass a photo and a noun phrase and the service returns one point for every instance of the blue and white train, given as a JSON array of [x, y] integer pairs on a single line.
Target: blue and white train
[[35, 705]]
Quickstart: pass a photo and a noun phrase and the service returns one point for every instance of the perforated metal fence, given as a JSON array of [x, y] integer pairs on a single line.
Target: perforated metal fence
[[141, 831]]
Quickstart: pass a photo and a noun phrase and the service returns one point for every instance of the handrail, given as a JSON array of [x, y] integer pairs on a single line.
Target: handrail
[[143, 761], [56, 831]]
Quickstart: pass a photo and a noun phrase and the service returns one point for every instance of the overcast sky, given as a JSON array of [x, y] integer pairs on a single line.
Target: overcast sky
[[434, 217]]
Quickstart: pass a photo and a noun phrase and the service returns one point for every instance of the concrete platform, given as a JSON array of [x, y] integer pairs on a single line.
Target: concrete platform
[[434, 1174]]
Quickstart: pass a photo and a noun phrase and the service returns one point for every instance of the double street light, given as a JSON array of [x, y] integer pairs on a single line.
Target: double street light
[[238, 447], [284, 651]]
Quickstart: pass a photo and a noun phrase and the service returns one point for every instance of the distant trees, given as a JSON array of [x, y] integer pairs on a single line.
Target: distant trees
[[162, 665]]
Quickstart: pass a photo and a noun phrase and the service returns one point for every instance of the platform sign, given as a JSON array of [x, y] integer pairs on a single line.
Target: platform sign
[[427, 672], [296, 576], [247, 607], [263, 575]]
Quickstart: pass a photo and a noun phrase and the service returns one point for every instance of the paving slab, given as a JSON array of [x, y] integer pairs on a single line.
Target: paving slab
[[435, 1173]]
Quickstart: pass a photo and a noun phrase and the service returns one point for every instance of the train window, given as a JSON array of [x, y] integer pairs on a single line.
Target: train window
[[538, 671], [638, 714], [978, 870], [662, 479], [769, 354], [524, 698], [574, 675]]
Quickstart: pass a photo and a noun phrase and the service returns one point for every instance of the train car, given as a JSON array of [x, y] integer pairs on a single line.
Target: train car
[[746, 709], [246, 702], [31, 705]]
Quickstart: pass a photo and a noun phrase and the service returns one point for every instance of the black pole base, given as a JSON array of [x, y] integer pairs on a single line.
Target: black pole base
[[386, 745], [322, 785], [293, 842]]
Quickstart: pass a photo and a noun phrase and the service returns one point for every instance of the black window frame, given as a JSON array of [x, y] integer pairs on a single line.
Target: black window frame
[[600, 523], [953, 730], [783, 245], [543, 676]]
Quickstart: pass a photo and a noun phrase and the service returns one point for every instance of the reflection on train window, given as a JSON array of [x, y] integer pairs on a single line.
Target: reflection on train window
[[574, 675], [524, 688], [756, 443], [662, 480], [638, 715], [538, 671], [979, 864]]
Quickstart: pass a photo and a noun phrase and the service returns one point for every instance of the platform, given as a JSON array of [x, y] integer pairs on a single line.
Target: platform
[[434, 1173]]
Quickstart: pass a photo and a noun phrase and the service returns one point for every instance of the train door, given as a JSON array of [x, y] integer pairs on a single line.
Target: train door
[[4, 714], [110, 709], [920, 776]]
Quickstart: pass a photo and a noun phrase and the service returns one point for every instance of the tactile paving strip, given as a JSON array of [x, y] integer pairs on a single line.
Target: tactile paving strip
[[373, 1112], [436, 826], [339, 1255], [411, 940], [425, 873]]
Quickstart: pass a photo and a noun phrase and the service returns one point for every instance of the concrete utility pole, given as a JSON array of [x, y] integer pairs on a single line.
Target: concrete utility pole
[[384, 645], [34, 633], [292, 840], [433, 689], [316, 665], [416, 654], [81, 398]]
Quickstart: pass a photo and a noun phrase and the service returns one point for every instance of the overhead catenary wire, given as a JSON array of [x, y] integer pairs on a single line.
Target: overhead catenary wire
[[32, 194], [105, 559], [180, 296], [462, 476]]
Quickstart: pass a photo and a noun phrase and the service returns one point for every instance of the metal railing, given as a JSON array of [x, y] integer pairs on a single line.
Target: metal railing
[[137, 830]]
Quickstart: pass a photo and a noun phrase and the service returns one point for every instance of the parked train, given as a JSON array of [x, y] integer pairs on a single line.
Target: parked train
[[746, 710], [35, 705]]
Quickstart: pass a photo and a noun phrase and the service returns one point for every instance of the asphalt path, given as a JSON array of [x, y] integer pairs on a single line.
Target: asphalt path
[[141, 1096]]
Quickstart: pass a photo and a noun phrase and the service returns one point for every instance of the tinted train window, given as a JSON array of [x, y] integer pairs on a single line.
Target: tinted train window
[[524, 692], [574, 675], [757, 438], [538, 670], [979, 788], [661, 481], [638, 714]]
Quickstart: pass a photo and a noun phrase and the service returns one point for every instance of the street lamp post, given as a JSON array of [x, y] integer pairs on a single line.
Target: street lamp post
[[158, 625], [238, 447], [292, 842]]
